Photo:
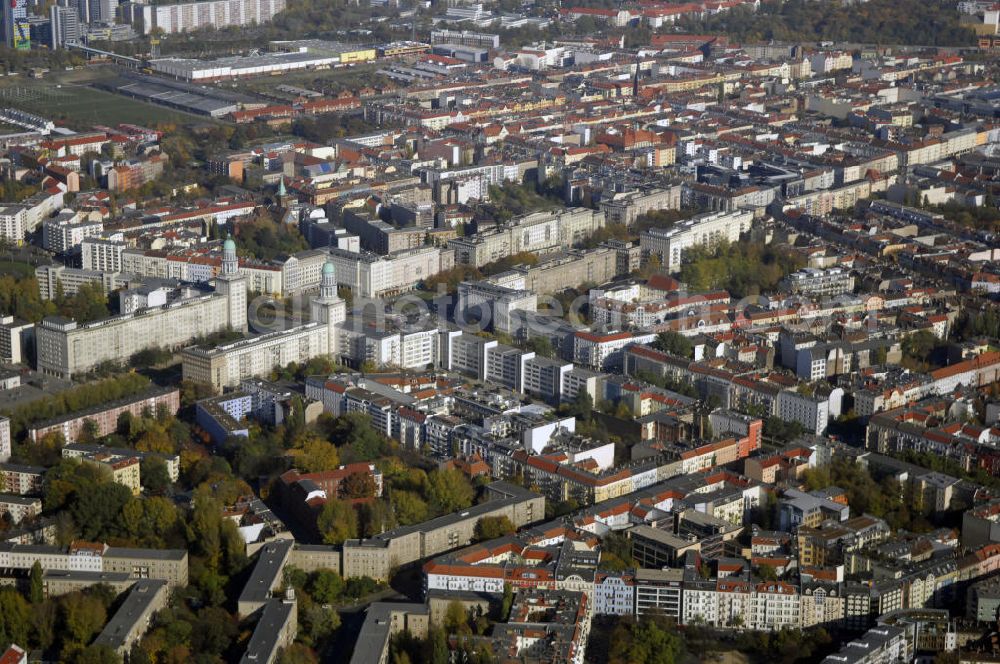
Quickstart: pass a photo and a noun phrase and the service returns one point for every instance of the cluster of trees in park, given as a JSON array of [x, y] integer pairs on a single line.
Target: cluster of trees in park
[[100, 509], [62, 627], [20, 297], [324, 128], [616, 553], [785, 646], [511, 200], [264, 239], [507, 262], [984, 217], [652, 219], [898, 504], [314, 366], [661, 219], [742, 268], [492, 527], [884, 22], [978, 324], [411, 493], [317, 593], [783, 431], [668, 384], [181, 633], [327, 587], [13, 191], [17, 60], [948, 466], [90, 505], [450, 279], [648, 639], [459, 626], [412, 496], [675, 343], [923, 351], [77, 398]]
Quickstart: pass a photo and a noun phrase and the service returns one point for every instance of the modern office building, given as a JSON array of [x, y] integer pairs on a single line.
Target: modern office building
[[15, 25], [65, 26]]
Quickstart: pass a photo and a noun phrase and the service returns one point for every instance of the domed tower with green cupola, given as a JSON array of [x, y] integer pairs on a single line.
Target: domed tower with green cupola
[[233, 286], [329, 308]]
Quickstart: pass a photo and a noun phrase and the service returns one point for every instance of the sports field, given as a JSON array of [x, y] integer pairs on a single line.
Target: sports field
[[75, 104]]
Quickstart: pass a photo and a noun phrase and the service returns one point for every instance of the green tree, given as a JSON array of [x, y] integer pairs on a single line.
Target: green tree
[[97, 654], [318, 624], [89, 431], [646, 640], [767, 573], [264, 238], [375, 517], [492, 527], [622, 411], [507, 602], [541, 346], [582, 406], [456, 620], [206, 526], [213, 632], [918, 348], [439, 647], [672, 342], [83, 616], [97, 509], [37, 593], [317, 455], [325, 586], [297, 653], [337, 521], [15, 617], [358, 485], [409, 507], [89, 303], [155, 475], [449, 490], [354, 430], [44, 617]]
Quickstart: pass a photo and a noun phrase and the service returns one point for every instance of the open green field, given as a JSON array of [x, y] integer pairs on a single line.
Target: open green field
[[329, 81], [68, 99], [16, 269]]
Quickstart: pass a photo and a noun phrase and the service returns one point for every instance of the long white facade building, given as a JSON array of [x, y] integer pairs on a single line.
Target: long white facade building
[[670, 244], [186, 16], [226, 365], [67, 348]]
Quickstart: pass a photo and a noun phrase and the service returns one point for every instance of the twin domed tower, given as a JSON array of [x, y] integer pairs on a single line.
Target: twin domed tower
[[233, 286], [329, 308]]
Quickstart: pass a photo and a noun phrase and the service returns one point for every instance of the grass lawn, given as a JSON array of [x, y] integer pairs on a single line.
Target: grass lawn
[[77, 105], [17, 269], [83, 106]]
